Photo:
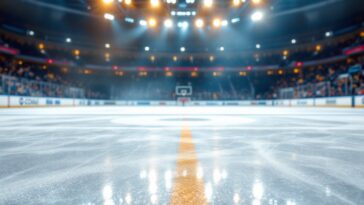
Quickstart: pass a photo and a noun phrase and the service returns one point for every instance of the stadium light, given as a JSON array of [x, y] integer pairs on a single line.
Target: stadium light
[[258, 46], [68, 40], [257, 16], [143, 23], [108, 1], [171, 1], [147, 48], [236, 3], [318, 48], [107, 45], [235, 20], [152, 58], [224, 23], [256, 2], [31, 33], [108, 16], [208, 3], [222, 49], [199, 23], [152, 22], [76, 52], [128, 2], [168, 23], [183, 24], [216, 23], [154, 3], [293, 41], [183, 49]]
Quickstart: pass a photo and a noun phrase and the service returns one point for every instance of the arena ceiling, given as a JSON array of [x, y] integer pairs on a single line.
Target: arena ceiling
[[83, 21]]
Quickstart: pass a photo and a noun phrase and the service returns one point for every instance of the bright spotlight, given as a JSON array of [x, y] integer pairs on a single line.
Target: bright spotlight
[[108, 16], [199, 23], [143, 23], [147, 48], [257, 16], [258, 46], [68, 40], [152, 22], [183, 49], [236, 3], [107, 45], [183, 24], [293, 41], [154, 3], [256, 2], [224, 23], [216, 23], [31, 33], [222, 49], [127, 2], [168, 23], [108, 1], [208, 3]]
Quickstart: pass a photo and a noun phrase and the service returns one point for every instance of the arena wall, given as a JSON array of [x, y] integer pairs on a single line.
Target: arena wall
[[22, 101]]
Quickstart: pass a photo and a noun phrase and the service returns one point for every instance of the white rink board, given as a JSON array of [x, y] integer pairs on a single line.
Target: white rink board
[[359, 101], [3, 101], [334, 101], [19, 101]]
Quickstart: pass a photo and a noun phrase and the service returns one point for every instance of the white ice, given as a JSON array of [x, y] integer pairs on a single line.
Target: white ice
[[127, 155]]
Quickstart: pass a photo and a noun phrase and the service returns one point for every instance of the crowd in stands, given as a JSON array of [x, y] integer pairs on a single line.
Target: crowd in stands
[[31, 79], [335, 78]]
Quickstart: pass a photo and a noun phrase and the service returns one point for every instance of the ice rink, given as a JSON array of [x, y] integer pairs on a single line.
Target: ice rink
[[181, 155]]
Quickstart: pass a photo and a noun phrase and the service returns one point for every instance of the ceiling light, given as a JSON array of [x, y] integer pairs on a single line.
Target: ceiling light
[[257, 16], [199, 23]]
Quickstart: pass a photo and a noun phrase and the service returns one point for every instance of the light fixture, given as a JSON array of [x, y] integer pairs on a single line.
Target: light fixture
[[216, 23], [256, 2], [168, 23], [257, 16], [108, 1], [109, 17], [199, 23], [143, 22], [128, 2], [208, 3], [154, 3], [152, 22]]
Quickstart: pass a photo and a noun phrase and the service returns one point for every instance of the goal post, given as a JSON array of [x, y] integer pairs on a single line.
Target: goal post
[[183, 94]]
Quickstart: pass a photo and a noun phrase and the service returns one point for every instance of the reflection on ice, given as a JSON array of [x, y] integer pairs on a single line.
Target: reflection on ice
[[258, 190], [128, 198], [236, 198], [153, 178], [168, 179], [199, 173], [208, 191], [107, 194], [154, 199]]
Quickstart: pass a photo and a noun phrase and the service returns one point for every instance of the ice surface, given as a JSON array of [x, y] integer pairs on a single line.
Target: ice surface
[[127, 155]]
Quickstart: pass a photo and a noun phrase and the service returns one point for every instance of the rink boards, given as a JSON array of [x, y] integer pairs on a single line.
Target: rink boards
[[22, 101]]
